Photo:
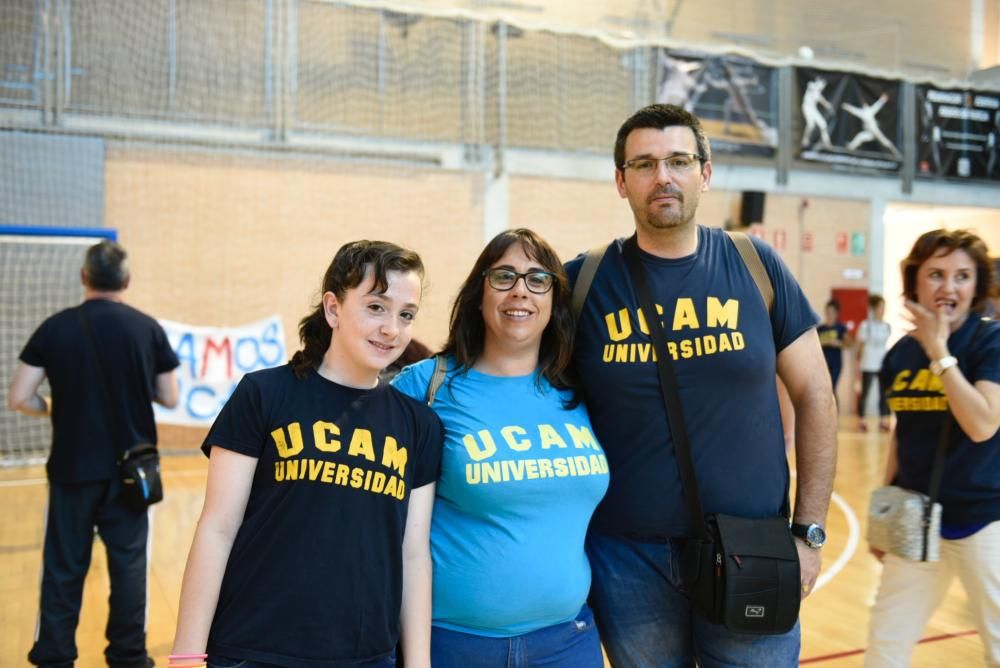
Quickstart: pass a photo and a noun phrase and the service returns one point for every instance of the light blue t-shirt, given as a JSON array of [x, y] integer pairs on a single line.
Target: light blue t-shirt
[[520, 478]]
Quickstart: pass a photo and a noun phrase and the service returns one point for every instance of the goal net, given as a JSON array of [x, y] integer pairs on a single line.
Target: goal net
[[39, 275]]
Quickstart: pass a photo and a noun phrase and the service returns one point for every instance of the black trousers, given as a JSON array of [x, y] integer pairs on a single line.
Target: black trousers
[[869, 378], [74, 512]]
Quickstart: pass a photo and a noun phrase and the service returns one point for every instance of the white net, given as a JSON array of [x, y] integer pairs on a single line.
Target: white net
[[38, 276]]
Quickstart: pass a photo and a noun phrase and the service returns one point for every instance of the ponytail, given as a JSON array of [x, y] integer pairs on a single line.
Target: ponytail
[[315, 333]]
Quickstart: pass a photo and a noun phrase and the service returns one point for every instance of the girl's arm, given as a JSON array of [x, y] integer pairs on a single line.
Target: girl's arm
[[230, 475], [415, 619]]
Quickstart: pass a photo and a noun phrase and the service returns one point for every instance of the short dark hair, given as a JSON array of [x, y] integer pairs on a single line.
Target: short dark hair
[[348, 270], [661, 116], [875, 300], [833, 303], [929, 243], [105, 267], [467, 330]]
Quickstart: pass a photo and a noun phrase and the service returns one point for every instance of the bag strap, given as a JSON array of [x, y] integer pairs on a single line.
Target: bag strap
[[751, 258], [668, 389], [748, 253], [937, 471], [591, 260], [102, 381], [437, 377]]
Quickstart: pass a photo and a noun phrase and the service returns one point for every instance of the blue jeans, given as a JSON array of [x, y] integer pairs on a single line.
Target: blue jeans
[[646, 620], [572, 644], [216, 661]]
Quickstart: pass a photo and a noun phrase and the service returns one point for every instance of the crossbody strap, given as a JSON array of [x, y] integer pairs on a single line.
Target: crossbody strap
[[591, 260], [751, 258], [109, 409], [668, 388]]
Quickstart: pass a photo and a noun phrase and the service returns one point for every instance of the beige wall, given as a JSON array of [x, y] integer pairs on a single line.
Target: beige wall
[[217, 243]]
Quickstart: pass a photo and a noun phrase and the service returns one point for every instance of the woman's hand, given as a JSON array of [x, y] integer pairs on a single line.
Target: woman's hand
[[930, 329]]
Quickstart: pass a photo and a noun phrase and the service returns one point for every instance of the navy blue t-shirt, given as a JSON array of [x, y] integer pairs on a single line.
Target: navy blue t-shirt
[[970, 488], [315, 573], [723, 348]]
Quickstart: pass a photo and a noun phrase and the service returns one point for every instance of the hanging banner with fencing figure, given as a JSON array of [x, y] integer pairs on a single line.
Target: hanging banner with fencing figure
[[958, 133], [736, 98], [849, 120]]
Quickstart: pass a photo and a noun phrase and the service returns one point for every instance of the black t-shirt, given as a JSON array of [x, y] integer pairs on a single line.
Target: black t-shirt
[[133, 349], [315, 573]]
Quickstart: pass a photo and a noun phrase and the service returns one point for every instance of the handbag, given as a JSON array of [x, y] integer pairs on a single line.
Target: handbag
[[138, 466], [142, 485], [741, 572], [905, 522]]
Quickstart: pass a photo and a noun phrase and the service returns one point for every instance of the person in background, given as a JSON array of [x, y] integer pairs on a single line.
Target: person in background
[[873, 336], [946, 368], [833, 336], [727, 350], [311, 549], [84, 480], [521, 471]]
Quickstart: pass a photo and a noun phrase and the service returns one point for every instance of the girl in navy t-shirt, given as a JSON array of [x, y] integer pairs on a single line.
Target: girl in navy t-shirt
[[312, 547]]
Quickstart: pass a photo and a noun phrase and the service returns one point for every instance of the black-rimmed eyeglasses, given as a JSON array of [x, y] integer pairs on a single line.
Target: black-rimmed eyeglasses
[[503, 280]]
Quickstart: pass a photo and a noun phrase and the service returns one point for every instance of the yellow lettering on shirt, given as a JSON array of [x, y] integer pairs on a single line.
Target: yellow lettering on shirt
[[286, 449], [510, 435], [723, 315], [685, 315], [361, 445], [477, 453], [549, 437], [393, 456], [324, 443]]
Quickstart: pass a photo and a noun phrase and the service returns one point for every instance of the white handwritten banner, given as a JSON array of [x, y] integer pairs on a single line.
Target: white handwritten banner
[[212, 362]]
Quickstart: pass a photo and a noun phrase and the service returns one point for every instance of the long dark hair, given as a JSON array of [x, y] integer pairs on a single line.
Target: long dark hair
[[467, 330], [929, 243], [349, 267]]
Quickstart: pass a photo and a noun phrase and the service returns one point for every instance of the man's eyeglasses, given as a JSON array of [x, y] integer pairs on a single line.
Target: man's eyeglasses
[[503, 280], [677, 164]]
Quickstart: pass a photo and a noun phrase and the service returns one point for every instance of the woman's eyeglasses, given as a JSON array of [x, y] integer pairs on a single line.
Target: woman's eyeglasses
[[503, 280]]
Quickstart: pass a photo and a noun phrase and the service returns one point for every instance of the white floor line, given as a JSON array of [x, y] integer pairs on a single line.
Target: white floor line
[[853, 539]]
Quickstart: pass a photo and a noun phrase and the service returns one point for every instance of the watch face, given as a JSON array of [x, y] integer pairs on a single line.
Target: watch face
[[815, 535]]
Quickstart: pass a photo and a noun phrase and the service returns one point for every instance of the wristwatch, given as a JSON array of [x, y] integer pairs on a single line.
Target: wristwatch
[[812, 534], [938, 367]]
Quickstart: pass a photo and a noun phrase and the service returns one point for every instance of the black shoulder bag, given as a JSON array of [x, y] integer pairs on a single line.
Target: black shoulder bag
[[139, 465], [743, 573]]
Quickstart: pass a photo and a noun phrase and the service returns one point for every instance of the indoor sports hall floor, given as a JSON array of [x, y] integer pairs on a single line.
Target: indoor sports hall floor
[[834, 618]]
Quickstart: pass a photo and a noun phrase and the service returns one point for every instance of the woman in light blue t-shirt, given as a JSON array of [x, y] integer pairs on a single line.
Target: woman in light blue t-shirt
[[521, 471]]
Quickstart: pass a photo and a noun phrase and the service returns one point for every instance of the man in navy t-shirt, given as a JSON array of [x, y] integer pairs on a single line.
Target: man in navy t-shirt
[[103, 385], [726, 350]]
